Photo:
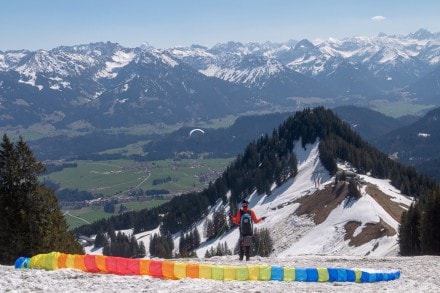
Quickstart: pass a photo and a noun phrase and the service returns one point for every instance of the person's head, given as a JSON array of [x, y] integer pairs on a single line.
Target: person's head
[[244, 204]]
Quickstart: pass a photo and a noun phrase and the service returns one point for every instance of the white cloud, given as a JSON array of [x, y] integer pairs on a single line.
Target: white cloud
[[378, 18]]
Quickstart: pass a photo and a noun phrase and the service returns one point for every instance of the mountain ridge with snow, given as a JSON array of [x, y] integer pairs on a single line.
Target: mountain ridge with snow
[[326, 238], [361, 227], [101, 83]]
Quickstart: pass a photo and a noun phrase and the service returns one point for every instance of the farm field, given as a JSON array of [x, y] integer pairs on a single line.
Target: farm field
[[115, 177], [119, 178], [87, 215], [399, 108]]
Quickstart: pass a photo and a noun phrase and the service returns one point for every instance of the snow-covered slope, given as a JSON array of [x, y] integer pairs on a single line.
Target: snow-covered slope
[[299, 235], [296, 233], [384, 55]]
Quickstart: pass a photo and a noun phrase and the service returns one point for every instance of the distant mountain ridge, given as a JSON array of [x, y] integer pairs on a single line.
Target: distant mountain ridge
[[101, 85], [416, 144], [371, 124], [392, 61]]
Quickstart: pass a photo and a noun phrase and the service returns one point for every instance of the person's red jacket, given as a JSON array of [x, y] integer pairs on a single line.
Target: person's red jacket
[[236, 219]]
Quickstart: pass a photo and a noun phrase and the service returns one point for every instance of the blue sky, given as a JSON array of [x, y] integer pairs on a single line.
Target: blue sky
[[46, 24]]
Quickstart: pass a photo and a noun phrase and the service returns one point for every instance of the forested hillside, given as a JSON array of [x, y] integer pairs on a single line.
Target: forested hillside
[[31, 221], [268, 161], [416, 144]]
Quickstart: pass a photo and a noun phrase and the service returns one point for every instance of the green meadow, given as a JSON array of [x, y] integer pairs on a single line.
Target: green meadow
[[120, 177], [87, 215], [114, 177], [399, 108]]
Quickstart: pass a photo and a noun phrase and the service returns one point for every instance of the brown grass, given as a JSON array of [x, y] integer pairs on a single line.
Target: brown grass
[[369, 232], [391, 207], [320, 204]]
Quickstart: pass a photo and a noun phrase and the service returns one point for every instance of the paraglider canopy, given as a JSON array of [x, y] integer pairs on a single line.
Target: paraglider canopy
[[196, 130]]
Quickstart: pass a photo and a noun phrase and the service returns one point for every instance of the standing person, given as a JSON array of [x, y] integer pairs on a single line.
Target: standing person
[[245, 218]]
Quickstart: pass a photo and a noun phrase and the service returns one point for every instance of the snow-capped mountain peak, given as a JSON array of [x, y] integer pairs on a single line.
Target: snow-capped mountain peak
[[271, 73]]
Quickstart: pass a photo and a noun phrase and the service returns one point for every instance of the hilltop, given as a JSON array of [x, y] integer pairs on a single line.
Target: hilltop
[[314, 210], [310, 215]]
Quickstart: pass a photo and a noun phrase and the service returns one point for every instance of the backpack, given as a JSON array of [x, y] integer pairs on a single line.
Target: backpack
[[246, 224]]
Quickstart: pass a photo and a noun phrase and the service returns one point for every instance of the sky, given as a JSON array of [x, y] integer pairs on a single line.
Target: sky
[[46, 24]]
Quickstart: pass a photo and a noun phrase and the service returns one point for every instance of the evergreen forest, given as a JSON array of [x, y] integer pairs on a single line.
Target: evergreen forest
[[31, 221]]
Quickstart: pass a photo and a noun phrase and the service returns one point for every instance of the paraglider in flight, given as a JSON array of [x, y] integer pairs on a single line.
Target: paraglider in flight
[[196, 129]]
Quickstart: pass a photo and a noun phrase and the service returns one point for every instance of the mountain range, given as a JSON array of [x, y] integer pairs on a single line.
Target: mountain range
[[101, 85]]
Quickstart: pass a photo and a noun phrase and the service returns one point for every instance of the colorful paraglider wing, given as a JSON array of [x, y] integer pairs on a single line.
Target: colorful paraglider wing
[[179, 270]]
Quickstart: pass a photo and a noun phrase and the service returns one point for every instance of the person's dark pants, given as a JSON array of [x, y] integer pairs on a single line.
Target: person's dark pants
[[245, 248]]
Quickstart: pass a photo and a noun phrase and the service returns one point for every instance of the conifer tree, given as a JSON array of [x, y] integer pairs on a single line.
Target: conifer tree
[[196, 238], [31, 221], [134, 247], [153, 241], [219, 222], [263, 242], [430, 224], [353, 191], [142, 251], [409, 232], [100, 240], [183, 243], [208, 228]]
